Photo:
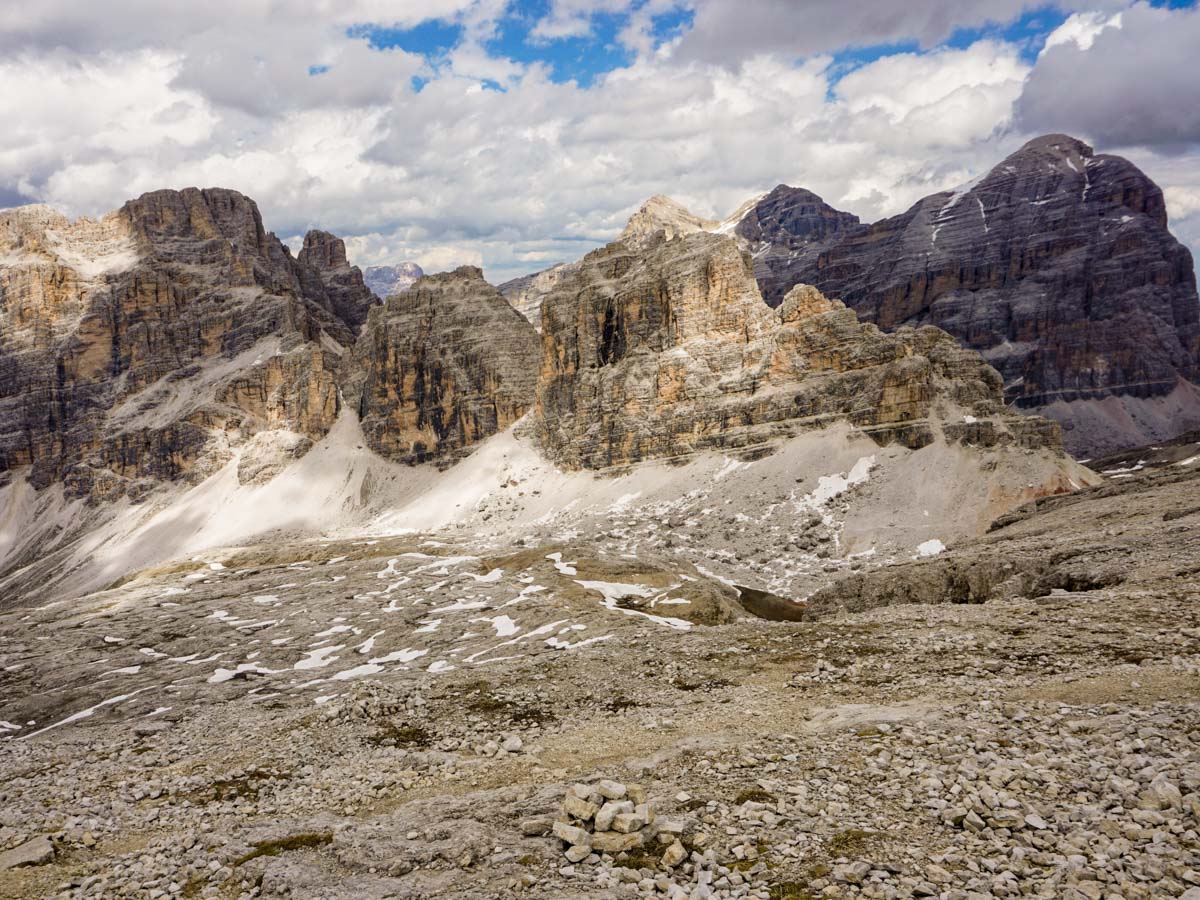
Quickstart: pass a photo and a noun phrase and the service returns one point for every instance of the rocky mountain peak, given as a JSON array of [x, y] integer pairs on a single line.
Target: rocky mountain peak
[[794, 217], [323, 250], [665, 349], [348, 296], [1062, 146], [445, 364], [662, 214], [1056, 265], [199, 214], [384, 281]]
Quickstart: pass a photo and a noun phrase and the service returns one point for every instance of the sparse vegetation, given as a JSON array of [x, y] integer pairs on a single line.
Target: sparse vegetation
[[303, 841]]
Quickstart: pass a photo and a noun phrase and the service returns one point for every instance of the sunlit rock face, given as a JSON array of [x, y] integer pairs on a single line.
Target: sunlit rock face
[[445, 364], [148, 345], [661, 347]]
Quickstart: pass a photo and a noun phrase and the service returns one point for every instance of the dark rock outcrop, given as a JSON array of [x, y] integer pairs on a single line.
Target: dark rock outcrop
[[656, 347], [787, 230], [1057, 266], [444, 364], [349, 297]]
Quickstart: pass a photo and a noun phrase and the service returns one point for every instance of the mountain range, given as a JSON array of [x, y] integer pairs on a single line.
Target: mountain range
[[383, 281], [1056, 265], [176, 345]]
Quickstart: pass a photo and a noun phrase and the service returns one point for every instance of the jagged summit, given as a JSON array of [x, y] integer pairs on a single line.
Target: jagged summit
[[348, 293], [662, 214]]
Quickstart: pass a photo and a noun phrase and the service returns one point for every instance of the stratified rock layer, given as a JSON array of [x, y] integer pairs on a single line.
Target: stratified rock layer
[[1057, 266], [445, 363], [661, 348], [145, 345]]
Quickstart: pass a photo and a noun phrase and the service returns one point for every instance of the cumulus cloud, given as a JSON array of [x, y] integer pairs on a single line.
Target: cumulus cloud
[[491, 161], [1132, 83], [1081, 29], [729, 30]]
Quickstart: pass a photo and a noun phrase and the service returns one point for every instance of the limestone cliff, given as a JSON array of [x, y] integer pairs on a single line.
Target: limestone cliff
[[663, 347], [444, 364], [145, 345]]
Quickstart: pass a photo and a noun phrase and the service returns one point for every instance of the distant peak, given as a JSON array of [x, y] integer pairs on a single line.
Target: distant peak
[[661, 213]]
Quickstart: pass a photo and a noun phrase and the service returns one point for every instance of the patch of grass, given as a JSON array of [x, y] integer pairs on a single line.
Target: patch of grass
[[850, 842], [620, 703], [641, 858], [790, 890], [401, 735], [245, 786], [302, 841], [651, 857], [488, 704], [753, 794]]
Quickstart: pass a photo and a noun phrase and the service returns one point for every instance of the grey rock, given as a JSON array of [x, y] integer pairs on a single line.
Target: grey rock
[[35, 852]]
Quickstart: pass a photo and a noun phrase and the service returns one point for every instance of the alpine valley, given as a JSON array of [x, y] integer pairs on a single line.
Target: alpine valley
[[781, 556]]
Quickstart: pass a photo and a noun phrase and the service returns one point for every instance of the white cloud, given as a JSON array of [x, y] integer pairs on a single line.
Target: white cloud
[[512, 180], [1134, 84], [729, 30], [573, 18], [1081, 29]]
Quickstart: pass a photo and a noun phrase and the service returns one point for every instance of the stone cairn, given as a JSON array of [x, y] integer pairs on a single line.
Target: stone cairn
[[610, 817]]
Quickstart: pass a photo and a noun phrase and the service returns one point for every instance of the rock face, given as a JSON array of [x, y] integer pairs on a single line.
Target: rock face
[[343, 283], [1057, 266], [787, 229], [445, 363], [661, 348], [383, 281], [527, 293], [145, 345]]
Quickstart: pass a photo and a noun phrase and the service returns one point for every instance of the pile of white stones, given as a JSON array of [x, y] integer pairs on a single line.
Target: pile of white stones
[[610, 817]]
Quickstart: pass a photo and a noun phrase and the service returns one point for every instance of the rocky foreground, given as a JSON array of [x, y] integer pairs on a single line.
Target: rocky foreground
[[402, 718]]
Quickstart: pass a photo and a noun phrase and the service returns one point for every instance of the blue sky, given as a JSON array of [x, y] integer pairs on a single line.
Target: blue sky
[[574, 58], [584, 58]]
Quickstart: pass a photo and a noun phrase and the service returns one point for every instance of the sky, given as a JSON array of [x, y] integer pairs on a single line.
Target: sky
[[516, 134]]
